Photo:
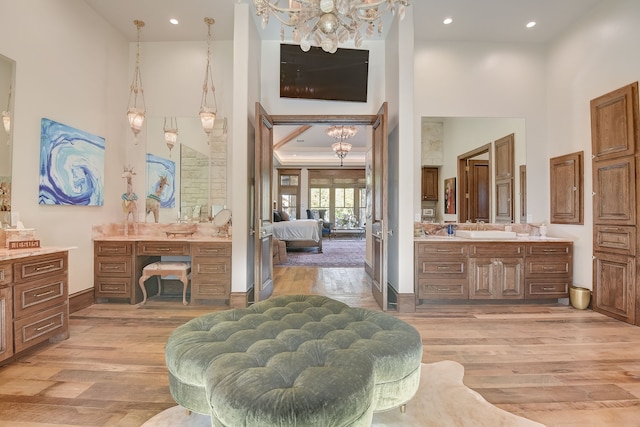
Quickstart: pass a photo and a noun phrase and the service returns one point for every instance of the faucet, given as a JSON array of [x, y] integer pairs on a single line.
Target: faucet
[[478, 224]]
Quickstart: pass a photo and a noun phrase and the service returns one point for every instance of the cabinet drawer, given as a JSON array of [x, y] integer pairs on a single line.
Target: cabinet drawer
[[39, 266], [496, 250], [211, 250], [6, 274], [208, 266], [113, 266], [163, 248], [113, 249], [112, 287], [211, 289], [620, 240], [35, 296], [440, 249], [39, 327], [547, 288], [440, 267], [549, 249], [555, 266], [442, 289]]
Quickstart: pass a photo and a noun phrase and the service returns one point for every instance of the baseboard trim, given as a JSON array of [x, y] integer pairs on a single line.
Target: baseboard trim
[[239, 300], [80, 300], [406, 303]]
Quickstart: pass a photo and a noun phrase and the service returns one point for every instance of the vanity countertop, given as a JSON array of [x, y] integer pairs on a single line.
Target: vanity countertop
[[10, 254], [160, 238], [524, 239]]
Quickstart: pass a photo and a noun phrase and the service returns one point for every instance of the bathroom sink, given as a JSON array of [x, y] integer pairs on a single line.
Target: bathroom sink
[[486, 234]]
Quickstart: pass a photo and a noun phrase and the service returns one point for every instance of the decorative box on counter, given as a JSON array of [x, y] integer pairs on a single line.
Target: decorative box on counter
[[20, 238]]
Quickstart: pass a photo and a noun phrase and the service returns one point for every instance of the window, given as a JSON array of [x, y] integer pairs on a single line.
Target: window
[[338, 196], [289, 192]]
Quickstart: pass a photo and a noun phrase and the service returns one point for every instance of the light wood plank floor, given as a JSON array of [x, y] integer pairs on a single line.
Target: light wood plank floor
[[547, 362]]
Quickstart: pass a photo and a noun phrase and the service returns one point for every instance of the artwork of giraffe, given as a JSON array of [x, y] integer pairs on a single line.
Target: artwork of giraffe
[[153, 200], [129, 202]]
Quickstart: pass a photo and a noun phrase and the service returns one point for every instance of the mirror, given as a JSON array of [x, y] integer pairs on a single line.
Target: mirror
[[194, 170], [7, 96], [444, 139]]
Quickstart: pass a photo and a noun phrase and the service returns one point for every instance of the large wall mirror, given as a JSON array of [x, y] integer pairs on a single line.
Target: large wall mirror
[[7, 95], [189, 181], [444, 140]]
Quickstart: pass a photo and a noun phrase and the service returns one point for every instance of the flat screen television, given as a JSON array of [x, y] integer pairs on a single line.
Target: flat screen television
[[316, 74]]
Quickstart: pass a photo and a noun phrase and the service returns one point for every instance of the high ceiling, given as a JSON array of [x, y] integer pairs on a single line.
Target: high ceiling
[[473, 20]]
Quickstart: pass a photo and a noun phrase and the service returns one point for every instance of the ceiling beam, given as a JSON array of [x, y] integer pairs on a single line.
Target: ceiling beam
[[291, 136]]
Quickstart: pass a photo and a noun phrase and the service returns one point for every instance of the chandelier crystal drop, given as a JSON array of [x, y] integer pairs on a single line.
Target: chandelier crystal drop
[[326, 23], [341, 149], [341, 134], [136, 112], [208, 111]]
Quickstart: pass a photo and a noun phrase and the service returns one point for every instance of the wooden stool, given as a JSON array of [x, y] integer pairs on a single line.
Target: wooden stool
[[162, 269]]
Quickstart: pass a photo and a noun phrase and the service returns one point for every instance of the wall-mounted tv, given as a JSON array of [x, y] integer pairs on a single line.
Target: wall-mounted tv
[[316, 74]]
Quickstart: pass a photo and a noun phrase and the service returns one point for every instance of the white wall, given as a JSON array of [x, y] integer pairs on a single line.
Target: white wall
[[71, 67], [594, 58]]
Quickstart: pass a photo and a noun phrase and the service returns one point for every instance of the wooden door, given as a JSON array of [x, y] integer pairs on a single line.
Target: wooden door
[[614, 279], [263, 261], [504, 148], [479, 186], [566, 189], [614, 119], [379, 226], [429, 183], [614, 195]]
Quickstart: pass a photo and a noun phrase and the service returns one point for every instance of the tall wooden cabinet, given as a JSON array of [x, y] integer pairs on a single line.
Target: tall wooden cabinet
[[615, 150], [429, 183]]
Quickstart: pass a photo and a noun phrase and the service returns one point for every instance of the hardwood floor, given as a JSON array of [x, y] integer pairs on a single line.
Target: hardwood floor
[[547, 362]]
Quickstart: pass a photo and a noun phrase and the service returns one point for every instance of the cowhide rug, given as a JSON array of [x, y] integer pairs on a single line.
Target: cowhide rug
[[442, 400]]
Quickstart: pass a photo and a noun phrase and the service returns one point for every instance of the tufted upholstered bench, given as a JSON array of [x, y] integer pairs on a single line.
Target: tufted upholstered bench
[[294, 360]]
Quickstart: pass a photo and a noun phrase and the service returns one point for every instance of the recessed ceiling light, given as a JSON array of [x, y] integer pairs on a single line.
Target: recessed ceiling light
[[531, 24], [447, 21], [174, 21]]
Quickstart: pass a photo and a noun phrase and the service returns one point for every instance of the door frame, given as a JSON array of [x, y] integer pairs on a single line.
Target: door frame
[[463, 179]]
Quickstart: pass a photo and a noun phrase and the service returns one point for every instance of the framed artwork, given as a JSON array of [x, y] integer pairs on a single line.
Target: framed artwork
[[71, 166], [161, 179], [450, 196]]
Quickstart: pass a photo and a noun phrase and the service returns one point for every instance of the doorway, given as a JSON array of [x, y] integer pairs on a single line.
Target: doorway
[[474, 175]]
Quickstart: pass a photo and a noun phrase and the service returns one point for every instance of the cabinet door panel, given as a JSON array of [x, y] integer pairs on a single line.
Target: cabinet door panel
[[614, 289], [6, 323], [511, 278], [614, 200], [614, 239], [482, 278]]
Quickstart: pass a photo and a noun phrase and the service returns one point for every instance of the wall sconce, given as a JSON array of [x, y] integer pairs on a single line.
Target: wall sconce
[[208, 112], [6, 116], [171, 133], [136, 113]]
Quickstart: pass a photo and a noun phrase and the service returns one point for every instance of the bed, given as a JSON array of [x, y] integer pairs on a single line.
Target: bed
[[299, 233]]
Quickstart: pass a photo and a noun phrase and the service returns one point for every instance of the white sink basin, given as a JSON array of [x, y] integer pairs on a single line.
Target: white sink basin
[[486, 234]]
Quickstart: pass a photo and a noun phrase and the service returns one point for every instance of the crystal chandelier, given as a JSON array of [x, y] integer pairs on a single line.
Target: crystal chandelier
[[6, 116], [136, 113], [326, 23], [341, 133], [171, 132], [208, 112]]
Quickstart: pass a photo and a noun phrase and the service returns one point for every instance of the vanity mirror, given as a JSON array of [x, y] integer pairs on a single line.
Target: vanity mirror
[[7, 95], [195, 169], [445, 140]]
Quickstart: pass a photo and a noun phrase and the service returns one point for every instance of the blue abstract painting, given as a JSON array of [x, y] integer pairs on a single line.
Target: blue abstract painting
[[158, 167], [71, 166]]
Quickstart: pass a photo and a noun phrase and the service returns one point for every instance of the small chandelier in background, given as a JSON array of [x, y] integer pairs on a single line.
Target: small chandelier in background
[[208, 112], [136, 113], [341, 133], [171, 133], [6, 116], [329, 22]]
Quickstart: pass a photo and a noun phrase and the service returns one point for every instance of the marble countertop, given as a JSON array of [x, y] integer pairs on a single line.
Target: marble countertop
[[10, 254], [160, 238], [443, 238]]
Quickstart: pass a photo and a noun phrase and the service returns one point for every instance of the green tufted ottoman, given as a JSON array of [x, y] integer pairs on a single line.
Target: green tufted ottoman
[[294, 360]]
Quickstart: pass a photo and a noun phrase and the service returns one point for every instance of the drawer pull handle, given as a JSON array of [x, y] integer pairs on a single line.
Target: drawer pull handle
[[47, 326], [443, 267], [49, 292], [442, 289], [546, 267], [547, 288], [551, 251], [110, 288], [110, 250], [45, 267], [110, 267]]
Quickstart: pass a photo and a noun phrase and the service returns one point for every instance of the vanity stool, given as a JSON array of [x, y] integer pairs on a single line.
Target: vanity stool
[[162, 269]]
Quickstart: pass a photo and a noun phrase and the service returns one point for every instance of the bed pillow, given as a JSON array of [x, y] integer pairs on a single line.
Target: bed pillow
[[276, 216], [284, 215]]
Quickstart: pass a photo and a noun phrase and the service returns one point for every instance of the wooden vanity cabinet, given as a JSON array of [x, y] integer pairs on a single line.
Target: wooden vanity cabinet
[[496, 271], [6, 320], [114, 266], [441, 270], [40, 300], [210, 271]]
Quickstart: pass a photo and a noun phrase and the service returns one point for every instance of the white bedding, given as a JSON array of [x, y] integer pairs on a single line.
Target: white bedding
[[299, 229]]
